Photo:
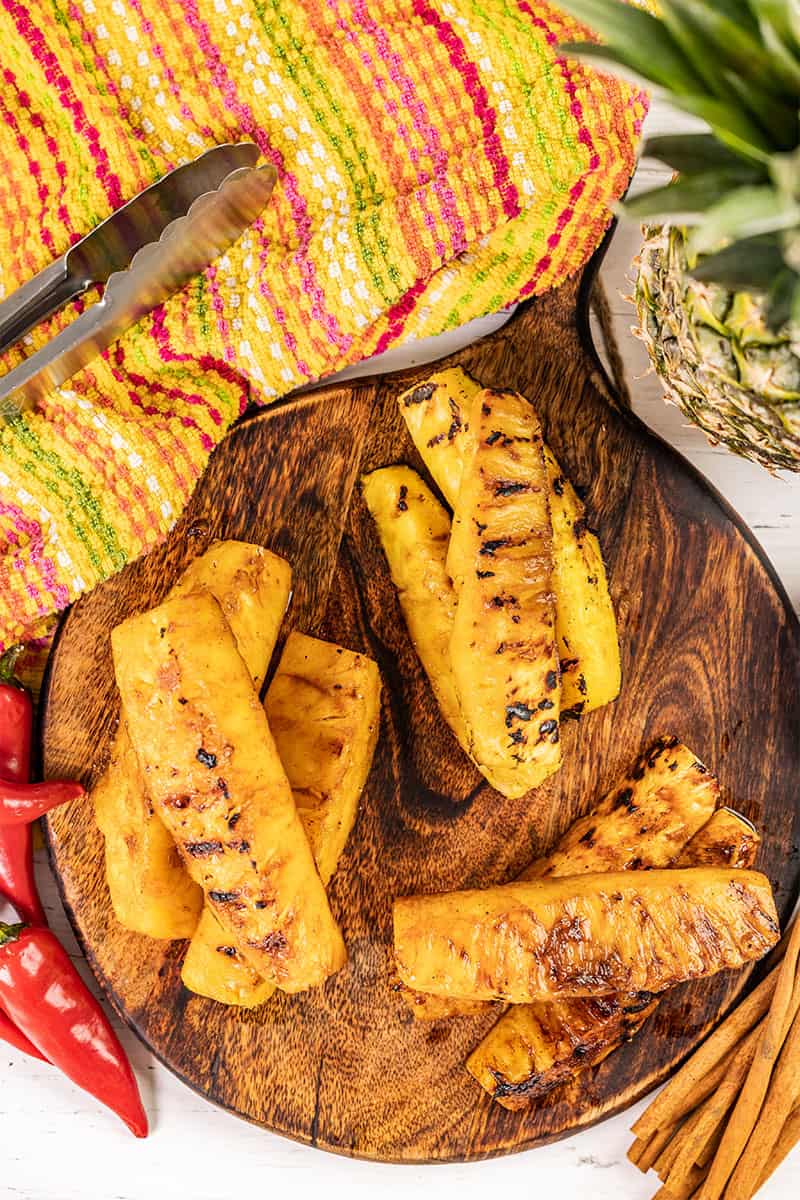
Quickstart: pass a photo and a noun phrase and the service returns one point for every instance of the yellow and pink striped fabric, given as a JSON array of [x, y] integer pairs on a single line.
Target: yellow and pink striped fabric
[[437, 160]]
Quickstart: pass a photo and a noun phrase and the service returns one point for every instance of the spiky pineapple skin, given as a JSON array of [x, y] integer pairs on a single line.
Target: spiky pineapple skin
[[718, 361]]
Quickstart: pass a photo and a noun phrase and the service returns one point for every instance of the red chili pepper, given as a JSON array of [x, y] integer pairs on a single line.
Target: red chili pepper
[[15, 1037], [21, 803], [16, 841], [45, 996]]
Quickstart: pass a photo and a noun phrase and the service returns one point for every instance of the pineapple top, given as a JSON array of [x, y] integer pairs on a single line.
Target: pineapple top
[[736, 65]]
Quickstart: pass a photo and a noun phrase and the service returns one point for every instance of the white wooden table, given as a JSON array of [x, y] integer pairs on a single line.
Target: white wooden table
[[55, 1144]]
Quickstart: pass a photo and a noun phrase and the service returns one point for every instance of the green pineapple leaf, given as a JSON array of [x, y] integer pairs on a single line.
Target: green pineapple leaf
[[752, 263], [731, 44], [781, 298], [732, 126], [695, 153], [695, 47], [785, 54], [774, 116], [687, 199], [638, 40], [744, 213], [783, 16]]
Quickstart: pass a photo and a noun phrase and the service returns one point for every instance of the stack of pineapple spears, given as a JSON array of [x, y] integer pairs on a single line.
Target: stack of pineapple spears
[[508, 607], [663, 814], [221, 622], [507, 604]]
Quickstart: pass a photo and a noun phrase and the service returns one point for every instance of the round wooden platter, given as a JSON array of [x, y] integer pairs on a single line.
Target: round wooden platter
[[710, 652]]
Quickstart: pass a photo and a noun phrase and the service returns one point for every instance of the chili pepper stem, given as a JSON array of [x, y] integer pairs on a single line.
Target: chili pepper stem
[[8, 662], [10, 933]]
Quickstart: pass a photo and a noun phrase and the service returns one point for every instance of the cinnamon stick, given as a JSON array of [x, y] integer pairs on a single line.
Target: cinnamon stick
[[684, 1137], [637, 1148], [710, 1116], [686, 1190], [787, 1140], [651, 1149], [782, 1095], [672, 1103], [783, 1009]]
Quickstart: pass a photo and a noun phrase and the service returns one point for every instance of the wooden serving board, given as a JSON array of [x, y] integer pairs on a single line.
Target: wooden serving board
[[710, 652]]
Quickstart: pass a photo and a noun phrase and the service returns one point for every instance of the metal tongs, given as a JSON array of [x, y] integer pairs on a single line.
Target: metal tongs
[[143, 253]]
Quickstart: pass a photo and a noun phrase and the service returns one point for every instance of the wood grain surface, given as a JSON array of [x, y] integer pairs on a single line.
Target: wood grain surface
[[710, 652]]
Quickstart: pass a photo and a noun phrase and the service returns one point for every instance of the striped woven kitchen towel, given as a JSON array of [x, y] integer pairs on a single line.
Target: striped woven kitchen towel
[[437, 160]]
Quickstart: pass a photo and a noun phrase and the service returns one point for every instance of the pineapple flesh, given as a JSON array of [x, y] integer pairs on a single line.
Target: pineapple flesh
[[323, 706], [503, 644], [437, 415]]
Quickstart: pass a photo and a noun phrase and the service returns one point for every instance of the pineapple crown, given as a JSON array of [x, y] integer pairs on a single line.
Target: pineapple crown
[[735, 64]]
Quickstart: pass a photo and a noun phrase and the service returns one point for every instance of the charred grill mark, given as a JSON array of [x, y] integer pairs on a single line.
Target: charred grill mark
[[402, 503], [545, 704], [242, 847], [228, 951], [182, 700], [485, 574], [206, 758], [505, 487], [588, 837], [519, 711], [223, 788], [178, 802], [575, 711], [234, 820], [549, 726], [223, 897], [568, 664], [638, 1002], [551, 680], [419, 394], [518, 736], [582, 685], [274, 943], [489, 548], [202, 849], [481, 528], [504, 602], [558, 485], [625, 800]]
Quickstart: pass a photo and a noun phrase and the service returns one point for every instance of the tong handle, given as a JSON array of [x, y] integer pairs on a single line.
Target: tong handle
[[35, 300]]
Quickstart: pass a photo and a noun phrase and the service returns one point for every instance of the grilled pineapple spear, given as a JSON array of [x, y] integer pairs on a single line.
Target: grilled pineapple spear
[[437, 415], [323, 710], [414, 529], [502, 648], [214, 776], [535, 1047], [586, 935], [643, 822], [151, 892]]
